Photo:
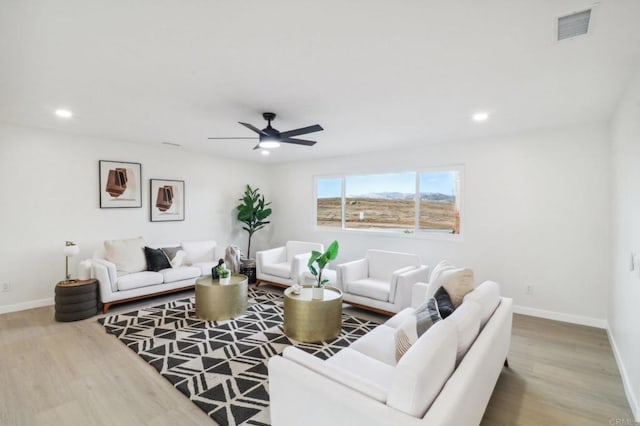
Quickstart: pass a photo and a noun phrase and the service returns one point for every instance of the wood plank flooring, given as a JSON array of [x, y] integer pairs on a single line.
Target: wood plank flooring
[[75, 374]]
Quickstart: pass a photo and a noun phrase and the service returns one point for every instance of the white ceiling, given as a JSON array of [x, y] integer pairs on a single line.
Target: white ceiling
[[375, 74]]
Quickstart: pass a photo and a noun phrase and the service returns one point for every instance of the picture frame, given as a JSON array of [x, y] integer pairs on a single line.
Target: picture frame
[[167, 200], [120, 184]]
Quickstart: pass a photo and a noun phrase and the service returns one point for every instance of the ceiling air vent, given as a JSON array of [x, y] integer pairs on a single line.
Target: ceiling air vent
[[573, 25]]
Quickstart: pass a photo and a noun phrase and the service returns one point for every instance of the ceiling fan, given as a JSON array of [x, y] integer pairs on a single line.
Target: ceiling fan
[[271, 138]]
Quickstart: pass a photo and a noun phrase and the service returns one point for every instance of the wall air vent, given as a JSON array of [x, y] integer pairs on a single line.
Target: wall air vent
[[574, 25]]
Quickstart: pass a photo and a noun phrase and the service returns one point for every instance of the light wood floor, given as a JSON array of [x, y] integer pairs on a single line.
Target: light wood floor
[[75, 374]]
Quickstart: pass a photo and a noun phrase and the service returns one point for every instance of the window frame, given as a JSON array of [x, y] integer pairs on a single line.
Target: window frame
[[415, 232]]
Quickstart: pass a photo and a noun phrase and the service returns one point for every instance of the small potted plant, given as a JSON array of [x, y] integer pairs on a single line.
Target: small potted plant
[[224, 274], [316, 265]]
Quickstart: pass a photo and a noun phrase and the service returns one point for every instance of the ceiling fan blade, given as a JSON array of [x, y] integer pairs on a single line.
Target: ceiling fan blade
[[256, 147], [298, 141], [302, 131], [234, 138], [252, 127]]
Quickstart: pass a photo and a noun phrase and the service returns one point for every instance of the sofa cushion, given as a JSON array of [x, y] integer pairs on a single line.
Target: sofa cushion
[[139, 279], [127, 255], [199, 251], [204, 267], [371, 288], [363, 365], [487, 295], [282, 269], [383, 263], [414, 326], [180, 273], [379, 344], [457, 282], [466, 319], [156, 259], [423, 370]]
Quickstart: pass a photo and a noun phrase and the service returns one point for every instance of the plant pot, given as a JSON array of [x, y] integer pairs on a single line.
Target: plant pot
[[317, 293], [225, 280]]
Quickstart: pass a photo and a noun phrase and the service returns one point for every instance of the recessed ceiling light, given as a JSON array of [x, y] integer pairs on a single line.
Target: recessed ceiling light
[[64, 113], [265, 152], [480, 116]]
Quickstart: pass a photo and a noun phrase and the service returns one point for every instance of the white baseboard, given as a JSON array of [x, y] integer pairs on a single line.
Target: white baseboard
[[560, 316], [626, 382], [26, 305]]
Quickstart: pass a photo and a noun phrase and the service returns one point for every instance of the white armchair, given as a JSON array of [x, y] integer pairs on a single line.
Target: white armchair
[[282, 266], [382, 281]]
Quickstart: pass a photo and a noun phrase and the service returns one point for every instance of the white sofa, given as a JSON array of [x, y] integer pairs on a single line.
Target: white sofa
[[445, 378], [382, 281], [118, 287], [284, 265]]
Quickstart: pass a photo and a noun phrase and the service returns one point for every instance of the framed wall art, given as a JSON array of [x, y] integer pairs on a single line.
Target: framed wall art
[[120, 184], [167, 200]]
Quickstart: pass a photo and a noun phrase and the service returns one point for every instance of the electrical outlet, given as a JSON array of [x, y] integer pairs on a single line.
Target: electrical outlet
[[5, 287], [529, 290]]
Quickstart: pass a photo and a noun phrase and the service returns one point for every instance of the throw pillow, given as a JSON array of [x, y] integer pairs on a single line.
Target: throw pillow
[[434, 278], [178, 260], [457, 282], [156, 259], [127, 255], [415, 326], [445, 305], [171, 252]]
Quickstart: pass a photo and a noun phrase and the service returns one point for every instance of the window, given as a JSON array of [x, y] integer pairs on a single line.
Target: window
[[414, 202], [439, 203], [385, 201], [329, 202]]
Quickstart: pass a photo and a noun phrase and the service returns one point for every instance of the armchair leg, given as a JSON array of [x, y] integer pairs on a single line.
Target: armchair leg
[[506, 362]]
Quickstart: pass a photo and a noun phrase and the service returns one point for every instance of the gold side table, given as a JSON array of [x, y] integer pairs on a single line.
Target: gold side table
[[312, 320], [215, 301]]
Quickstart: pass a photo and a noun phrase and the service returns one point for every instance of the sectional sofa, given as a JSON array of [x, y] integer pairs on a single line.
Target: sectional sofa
[[445, 378]]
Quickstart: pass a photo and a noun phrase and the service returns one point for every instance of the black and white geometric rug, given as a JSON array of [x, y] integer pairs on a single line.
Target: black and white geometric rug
[[221, 365]]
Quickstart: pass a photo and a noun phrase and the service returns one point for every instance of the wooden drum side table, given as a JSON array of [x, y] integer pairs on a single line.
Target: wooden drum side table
[[76, 300], [312, 320], [215, 301]]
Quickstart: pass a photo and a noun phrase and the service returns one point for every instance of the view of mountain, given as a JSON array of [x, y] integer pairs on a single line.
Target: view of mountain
[[424, 196]]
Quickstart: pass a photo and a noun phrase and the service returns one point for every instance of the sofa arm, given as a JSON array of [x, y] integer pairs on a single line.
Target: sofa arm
[[418, 293], [112, 274], [299, 266], [274, 255], [333, 372], [402, 281], [351, 271], [100, 271]]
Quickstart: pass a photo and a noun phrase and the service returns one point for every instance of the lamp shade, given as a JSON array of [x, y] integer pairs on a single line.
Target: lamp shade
[[71, 249]]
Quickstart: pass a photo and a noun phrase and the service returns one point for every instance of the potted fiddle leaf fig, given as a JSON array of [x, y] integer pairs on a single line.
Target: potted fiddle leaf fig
[[252, 212], [316, 265]]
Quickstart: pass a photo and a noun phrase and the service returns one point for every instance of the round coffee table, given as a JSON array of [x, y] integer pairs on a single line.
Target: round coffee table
[[215, 301], [312, 320]]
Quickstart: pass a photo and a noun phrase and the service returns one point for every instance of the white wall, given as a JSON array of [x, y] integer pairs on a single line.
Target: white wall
[[536, 212], [624, 315], [49, 193]]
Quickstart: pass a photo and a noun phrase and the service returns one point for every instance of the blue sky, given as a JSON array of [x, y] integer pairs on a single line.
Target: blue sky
[[443, 182]]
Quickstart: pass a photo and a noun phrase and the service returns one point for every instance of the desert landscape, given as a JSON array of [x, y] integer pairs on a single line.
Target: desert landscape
[[386, 213]]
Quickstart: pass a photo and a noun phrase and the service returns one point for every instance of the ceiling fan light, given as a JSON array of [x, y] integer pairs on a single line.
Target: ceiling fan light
[[269, 144]]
